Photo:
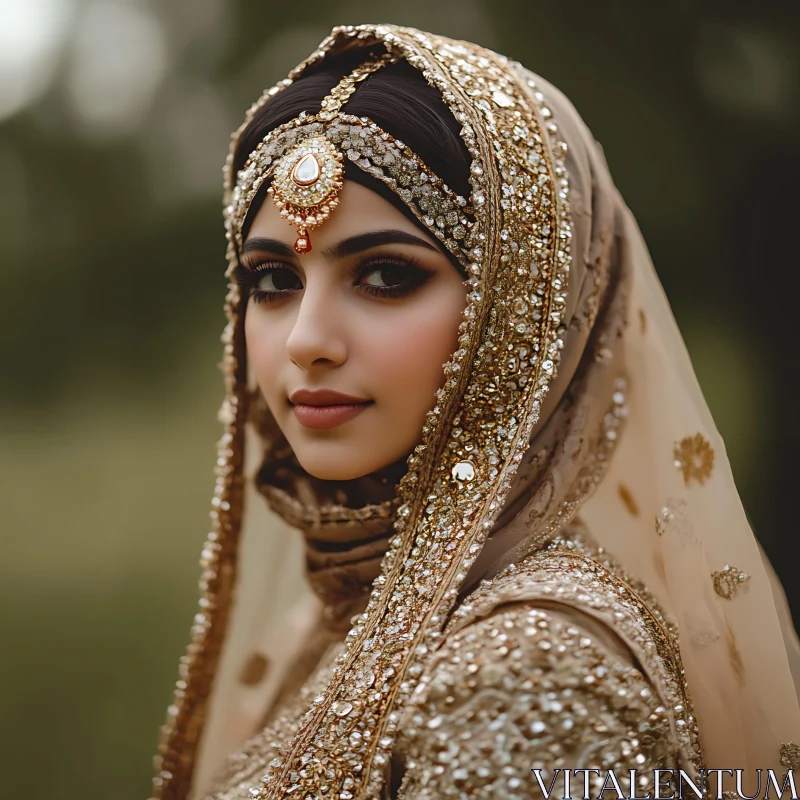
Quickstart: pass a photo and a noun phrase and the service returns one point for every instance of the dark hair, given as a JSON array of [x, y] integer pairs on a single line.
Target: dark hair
[[399, 100]]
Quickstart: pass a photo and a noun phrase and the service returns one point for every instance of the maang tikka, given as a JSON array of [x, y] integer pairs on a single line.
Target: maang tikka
[[306, 186], [308, 178], [305, 158]]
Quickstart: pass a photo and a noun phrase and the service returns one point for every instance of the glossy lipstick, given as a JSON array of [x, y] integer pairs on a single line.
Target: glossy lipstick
[[323, 408]]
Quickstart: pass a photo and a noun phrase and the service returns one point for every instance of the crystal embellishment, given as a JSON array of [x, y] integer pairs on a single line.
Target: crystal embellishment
[[463, 471], [729, 581], [502, 99], [306, 171], [343, 708]]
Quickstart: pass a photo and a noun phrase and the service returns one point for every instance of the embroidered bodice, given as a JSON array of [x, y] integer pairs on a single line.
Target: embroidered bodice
[[561, 661]]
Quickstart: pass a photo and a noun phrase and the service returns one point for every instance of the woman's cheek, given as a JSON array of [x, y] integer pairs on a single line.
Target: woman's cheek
[[262, 341], [407, 361]]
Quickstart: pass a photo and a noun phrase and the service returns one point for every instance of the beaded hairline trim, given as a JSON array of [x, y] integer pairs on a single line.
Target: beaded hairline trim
[[304, 159]]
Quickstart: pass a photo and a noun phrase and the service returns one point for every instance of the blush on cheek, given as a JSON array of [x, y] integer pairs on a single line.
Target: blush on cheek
[[265, 349], [406, 360]]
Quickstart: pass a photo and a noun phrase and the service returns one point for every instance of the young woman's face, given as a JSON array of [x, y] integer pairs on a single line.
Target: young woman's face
[[347, 342]]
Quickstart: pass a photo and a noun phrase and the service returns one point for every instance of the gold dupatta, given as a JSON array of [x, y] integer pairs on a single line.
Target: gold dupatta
[[479, 428]]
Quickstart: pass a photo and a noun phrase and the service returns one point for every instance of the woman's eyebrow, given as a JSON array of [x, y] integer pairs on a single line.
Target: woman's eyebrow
[[269, 245], [347, 247], [364, 241]]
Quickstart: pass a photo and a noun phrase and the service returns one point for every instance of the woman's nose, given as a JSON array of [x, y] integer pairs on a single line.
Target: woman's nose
[[316, 337]]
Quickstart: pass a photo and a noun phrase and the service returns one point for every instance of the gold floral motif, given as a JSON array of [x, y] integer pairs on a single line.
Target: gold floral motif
[[673, 517], [729, 581], [694, 457], [790, 755]]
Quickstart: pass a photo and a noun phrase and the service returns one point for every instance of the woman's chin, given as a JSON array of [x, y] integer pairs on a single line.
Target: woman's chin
[[338, 466]]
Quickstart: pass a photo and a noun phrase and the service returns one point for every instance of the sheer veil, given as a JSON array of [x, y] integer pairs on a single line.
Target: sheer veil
[[682, 530], [667, 509], [275, 609]]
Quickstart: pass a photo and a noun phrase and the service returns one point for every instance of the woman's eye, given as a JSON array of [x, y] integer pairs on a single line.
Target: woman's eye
[[391, 277], [387, 275], [279, 280], [381, 277]]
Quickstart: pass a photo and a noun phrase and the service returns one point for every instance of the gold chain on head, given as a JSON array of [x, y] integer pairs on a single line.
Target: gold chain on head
[[309, 177]]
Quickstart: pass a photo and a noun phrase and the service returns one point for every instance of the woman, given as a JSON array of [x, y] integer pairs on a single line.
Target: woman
[[402, 201]]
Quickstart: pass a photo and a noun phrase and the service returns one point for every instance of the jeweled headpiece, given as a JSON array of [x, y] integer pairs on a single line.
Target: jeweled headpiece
[[305, 158], [306, 186]]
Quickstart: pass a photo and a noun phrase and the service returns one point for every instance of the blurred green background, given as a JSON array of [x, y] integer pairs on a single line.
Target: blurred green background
[[114, 123]]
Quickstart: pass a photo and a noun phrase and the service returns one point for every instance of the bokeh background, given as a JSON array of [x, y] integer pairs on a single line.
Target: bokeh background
[[114, 123]]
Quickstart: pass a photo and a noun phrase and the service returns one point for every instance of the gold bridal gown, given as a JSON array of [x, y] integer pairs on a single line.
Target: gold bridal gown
[[564, 577]]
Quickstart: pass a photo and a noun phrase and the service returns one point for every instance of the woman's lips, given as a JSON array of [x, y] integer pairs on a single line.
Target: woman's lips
[[322, 417]]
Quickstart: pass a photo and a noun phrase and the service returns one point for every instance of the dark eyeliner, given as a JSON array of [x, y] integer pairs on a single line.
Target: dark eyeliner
[[413, 277], [418, 276], [249, 276]]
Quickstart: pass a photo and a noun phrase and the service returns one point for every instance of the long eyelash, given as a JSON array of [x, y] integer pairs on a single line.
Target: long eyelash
[[419, 276], [242, 275], [250, 276]]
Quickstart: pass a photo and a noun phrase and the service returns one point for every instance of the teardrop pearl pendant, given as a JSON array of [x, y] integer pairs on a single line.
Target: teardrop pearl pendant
[[306, 171]]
